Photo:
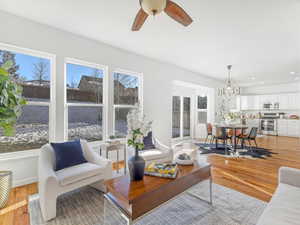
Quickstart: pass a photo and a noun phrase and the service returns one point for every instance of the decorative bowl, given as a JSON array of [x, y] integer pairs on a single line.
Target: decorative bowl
[[184, 162]]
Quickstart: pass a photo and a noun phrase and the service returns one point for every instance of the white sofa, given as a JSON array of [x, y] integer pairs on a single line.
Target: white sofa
[[54, 183], [284, 207], [160, 154]]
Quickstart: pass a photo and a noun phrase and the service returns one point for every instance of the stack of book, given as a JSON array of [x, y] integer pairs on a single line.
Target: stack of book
[[167, 170]]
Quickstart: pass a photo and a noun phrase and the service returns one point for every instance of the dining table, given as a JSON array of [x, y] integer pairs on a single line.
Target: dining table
[[234, 128]]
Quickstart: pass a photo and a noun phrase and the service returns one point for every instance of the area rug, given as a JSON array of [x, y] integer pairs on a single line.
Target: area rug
[[248, 152], [86, 207]]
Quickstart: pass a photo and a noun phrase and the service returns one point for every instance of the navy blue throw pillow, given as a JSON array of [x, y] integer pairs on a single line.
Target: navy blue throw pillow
[[68, 154], [148, 142]]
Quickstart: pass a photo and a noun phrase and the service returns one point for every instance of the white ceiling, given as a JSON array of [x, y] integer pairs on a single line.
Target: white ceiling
[[261, 38]]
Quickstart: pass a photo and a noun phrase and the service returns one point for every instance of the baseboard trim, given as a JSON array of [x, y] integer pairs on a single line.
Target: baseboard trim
[[30, 180]]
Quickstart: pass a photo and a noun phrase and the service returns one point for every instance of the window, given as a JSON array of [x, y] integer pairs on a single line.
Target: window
[[202, 109], [176, 117], [33, 71], [85, 88], [181, 117], [186, 116], [127, 93]]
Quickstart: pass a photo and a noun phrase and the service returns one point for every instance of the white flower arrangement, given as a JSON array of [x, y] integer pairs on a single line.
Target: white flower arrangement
[[138, 128]]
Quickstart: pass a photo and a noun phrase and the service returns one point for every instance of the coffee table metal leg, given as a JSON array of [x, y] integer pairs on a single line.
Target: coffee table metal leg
[[118, 161], [210, 190], [129, 221], [125, 159], [110, 206], [200, 198]]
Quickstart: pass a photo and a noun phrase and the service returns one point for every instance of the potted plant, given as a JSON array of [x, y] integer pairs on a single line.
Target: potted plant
[[138, 128], [11, 102]]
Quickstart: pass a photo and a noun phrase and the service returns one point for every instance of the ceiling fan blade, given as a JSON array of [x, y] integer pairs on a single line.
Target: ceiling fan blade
[[139, 20], [177, 13]]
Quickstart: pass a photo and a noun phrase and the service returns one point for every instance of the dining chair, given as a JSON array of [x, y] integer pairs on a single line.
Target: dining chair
[[221, 134], [249, 137], [209, 130]]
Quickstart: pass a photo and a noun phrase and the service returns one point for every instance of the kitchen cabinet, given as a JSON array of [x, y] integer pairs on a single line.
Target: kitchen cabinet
[[244, 102], [282, 127], [283, 100], [250, 102], [293, 128], [266, 99], [290, 128], [293, 101], [290, 101]]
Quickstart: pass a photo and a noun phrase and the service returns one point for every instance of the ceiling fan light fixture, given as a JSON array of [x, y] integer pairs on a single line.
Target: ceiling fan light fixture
[[153, 7]]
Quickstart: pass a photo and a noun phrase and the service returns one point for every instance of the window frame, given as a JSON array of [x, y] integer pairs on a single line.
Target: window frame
[[140, 95], [51, 104], [104, 104], [202, 110]]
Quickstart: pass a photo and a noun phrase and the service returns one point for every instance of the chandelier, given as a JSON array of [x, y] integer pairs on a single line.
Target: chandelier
[[230, 89]]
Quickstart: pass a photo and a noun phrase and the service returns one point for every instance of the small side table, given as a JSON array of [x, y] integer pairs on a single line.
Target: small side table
[[112, 146]]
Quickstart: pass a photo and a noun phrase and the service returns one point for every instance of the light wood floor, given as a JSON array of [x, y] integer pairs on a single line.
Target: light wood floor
[[255, 177]]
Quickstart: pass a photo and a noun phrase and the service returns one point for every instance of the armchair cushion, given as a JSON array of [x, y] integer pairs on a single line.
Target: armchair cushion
[[79, 172], [68, 154], [148, 142]]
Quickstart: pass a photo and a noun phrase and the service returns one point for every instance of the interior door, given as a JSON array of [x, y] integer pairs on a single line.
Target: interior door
[[176, 117], [186, 117], [181, 117]]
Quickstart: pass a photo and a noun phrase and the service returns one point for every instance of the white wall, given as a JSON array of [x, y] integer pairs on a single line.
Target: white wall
[[158, 78]]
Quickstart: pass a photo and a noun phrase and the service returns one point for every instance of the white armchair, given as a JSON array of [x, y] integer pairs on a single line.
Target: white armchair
[[160, 154], [54, 183]]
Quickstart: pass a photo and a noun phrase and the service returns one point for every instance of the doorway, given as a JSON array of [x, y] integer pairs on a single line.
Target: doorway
[[181, 117]]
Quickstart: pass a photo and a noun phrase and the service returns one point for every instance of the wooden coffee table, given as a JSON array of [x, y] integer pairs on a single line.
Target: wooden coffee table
[[134, 199]]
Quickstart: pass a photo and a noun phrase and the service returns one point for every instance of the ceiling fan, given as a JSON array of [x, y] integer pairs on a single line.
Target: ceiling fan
[[154, 7]]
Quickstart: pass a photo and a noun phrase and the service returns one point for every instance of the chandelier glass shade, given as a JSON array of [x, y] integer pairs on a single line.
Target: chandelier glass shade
[[230, 89]]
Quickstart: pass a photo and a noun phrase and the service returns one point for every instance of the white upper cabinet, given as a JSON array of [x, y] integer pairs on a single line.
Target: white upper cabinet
[[253, 102], [293, 101], [250, 102], [283, 100], [266, 99], [256, 102], [244, 102]]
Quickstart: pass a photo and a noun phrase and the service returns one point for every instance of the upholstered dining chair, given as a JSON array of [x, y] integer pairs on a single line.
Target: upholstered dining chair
[[55, 183], [209, 135], [221, 134], [249, 137]]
